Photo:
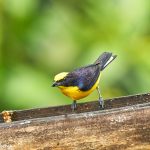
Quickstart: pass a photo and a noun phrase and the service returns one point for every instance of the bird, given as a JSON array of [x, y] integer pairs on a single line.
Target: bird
[[82, 81]]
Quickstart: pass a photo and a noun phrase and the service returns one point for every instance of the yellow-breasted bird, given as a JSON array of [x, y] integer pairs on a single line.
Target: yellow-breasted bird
[[83, 81]]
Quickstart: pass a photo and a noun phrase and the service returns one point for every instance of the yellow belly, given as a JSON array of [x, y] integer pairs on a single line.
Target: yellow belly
[[74, 93]]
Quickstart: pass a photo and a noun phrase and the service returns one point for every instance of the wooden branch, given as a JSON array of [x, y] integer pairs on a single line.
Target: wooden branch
[[123, 124]]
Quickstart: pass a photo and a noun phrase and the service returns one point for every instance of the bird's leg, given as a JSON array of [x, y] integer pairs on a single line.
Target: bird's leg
[[101, 101], [74, 105]]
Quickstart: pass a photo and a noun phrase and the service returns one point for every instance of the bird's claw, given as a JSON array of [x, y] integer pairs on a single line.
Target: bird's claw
[[101, 103]]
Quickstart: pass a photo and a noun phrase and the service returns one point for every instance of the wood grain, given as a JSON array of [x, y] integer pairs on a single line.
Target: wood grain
[[123, 125]]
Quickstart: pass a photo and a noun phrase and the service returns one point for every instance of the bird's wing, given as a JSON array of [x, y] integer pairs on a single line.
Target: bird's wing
[[84, 77]]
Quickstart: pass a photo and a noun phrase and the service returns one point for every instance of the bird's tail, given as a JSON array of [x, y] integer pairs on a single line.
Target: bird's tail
[[105, 59]]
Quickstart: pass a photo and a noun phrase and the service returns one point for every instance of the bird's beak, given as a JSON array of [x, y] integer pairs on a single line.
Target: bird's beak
[[54, 84]]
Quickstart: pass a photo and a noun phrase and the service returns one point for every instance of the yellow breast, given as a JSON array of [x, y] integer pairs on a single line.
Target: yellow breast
[[74, 93]]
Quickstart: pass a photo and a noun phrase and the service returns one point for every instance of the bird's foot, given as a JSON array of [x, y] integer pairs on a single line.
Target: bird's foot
[[74, 105], [101, 103]]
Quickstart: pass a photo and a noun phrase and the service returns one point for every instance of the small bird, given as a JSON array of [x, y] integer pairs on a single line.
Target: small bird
[[83, 81]]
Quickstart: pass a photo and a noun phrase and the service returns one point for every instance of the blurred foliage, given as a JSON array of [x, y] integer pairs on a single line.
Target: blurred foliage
[[40, 38]]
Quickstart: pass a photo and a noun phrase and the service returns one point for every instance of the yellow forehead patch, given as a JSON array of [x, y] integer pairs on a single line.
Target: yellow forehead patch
[[60, 76]]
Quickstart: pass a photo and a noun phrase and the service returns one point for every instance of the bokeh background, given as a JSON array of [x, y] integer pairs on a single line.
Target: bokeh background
[[40, 38]]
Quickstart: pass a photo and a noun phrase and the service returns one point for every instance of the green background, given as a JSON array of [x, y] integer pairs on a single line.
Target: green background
[[40, 38]]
